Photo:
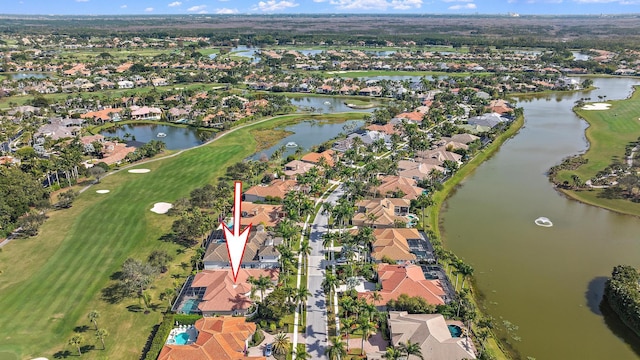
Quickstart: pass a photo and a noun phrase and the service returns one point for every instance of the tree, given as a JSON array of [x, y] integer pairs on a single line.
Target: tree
[[100, 335], [77, 341], [367, 328], [347, 328], [136, 276], [93, 316], [168, 295], [262, 283], [410, 348], [66, 198], [423, 201], [159, 259], [97, 172], [392, 353], [337, 349], [281, 343], [301, 296]]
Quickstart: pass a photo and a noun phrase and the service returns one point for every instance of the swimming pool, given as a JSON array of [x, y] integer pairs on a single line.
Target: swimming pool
[[181, 339], [455, 331], [190, 306]]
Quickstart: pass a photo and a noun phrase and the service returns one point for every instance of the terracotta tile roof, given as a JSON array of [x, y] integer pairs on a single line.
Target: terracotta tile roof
[[406, 279], [104, 115], [268, 215], [393, 183], [277, 188], [416, 170], [387, 129], [222, 294], [393, 244], [219, 338], [314, 158], [415, 116], [384, 210], [297, 167]]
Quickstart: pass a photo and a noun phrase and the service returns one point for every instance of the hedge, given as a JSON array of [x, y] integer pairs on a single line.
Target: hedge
[[186, 319], [160, 337]]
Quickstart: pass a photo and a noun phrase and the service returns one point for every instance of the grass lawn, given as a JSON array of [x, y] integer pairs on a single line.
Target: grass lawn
[[360, 74], [61, 272]]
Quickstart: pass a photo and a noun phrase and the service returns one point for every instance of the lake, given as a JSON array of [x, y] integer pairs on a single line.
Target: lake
[[309, 133], [177, 138], [547, 281], [323, 105], [28, 75]]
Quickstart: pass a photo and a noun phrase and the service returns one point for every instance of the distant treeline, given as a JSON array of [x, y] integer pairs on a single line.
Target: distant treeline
[[612, 33], [622, 292]]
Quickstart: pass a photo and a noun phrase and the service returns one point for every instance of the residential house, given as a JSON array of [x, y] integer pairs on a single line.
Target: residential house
[[58, 128], [431, 333], [219, 338], [259, 253], [395, 184], [315, 158], [499, 106], [104, 115], [412, 117], [159, 82], [296, 167], [438, 156], [409, 279], [145, 113], [381, 213], [417, 170], [87, 142], [490, 120], [394, 244], [125, 84], [388, 129], [370, 91], [261, 214], [277, 189]]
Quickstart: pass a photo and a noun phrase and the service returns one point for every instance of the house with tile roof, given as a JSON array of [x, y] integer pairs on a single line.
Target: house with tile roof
[[392, 184], [438, 155], [431, 333], [416, 170], [386, 212], [145, 113], [217, 294], [259, 253], [396, 280], [414, 116], [277, 189], [261, 214], [104, 115], [393, 244], [314, 158], [218, 338], [388, 129], [296, 167]]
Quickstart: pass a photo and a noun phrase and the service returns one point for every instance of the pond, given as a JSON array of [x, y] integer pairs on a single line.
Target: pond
[[176, 138], [548, 281], [28, 75], [580, 56], [324, 105], [310, 133]]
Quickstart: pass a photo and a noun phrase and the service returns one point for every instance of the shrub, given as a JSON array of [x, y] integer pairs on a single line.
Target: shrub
[[159, 338], [187, 319], [621, 292]]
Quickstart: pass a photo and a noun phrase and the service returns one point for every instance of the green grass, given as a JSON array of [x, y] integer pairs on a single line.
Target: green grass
[[360, 74], [50, 282]]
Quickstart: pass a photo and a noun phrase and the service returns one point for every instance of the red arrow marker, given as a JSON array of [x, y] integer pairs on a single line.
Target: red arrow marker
[[236, 241]]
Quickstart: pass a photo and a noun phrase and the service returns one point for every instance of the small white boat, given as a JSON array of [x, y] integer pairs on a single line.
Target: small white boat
[[327, 103], [161, 135], [291, 144]]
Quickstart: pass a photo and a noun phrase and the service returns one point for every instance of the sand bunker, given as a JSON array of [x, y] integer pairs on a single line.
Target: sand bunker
[[161, 207], [597, 106], [102, 191], [139, 171], [543, 221]]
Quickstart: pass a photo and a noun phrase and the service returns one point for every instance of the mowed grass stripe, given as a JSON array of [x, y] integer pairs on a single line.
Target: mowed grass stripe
[[38, 314]]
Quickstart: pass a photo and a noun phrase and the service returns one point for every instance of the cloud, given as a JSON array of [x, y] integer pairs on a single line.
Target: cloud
[[320, 1], [376, 4], [274, 5], [174, 4], [197, 8], [621, 2], [82, 0], [468, 6], [226, 11], [466, 1], [123, 6], [149, 9]]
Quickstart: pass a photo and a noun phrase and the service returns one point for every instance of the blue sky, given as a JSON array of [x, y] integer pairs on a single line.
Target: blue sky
[[131, 7]]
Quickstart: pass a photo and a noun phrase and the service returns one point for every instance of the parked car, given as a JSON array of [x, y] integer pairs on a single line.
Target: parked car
[[268, 350]]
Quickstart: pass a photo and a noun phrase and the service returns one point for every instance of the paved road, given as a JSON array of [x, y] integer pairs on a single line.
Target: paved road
[[316, 332]]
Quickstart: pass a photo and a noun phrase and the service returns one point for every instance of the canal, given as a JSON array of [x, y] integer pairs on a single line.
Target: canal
[[547, 281]]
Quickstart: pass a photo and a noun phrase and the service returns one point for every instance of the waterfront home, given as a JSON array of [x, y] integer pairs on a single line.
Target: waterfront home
[[408, 279], [145, 113], [412, 117], [431, 332], [277, 189], [490, 120], [259, 253], [382, 213], [438, 156], [391, 185], [329, 157], [388, 129], [59, 128], [221, 338], [104, 115], [417, 170], [393, 244]]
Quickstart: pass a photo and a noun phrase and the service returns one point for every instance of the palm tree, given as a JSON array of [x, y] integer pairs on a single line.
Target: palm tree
[[336, 351], [466, 271], [330, 283], [301, 353], [367, 328], [281, 343], [262, 283], [375, 296], [100, 335], [77, 341], [93, 317], [305, 250], [423, 201], [301, 295], [347, 328], [410, 348], [392, 353], [168, 295]]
